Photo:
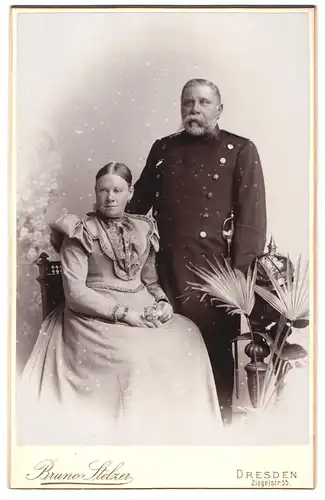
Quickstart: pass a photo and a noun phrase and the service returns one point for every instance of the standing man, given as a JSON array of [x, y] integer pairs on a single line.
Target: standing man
[[192, 180]]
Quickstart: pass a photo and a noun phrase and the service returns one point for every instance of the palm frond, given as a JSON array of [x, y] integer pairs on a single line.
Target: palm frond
[[214, 284], [302, 294], [270, 298], [290, 298], [227, 285], [227, 278]]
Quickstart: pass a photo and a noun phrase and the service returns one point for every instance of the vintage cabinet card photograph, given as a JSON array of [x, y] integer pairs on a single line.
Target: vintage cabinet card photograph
[[162, 224]]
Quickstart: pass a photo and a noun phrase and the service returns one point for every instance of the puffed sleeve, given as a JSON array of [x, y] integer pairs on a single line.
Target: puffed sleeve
[[80, 298], [144, 189], [250, 208], [70, 225], [149, 275]]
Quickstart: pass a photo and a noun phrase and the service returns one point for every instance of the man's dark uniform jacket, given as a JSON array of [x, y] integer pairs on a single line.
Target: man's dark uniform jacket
[[191, 183]]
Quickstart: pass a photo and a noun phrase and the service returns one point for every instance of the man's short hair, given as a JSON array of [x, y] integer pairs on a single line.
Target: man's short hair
[[201, 81]]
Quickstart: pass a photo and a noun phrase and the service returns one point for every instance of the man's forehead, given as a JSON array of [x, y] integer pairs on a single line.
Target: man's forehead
[[198, 90]]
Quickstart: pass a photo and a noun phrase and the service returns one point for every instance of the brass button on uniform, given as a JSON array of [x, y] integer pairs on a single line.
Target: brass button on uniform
[[230, 146], [222, 160], [215, 177], [209, 195], [157, 176], [205, 215], [157, 194], [203, 234]]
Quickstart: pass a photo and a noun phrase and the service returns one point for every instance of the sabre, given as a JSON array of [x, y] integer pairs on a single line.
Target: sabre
[[227, 231]]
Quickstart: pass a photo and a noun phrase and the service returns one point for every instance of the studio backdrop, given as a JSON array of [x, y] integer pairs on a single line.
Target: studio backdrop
[[97, 87]]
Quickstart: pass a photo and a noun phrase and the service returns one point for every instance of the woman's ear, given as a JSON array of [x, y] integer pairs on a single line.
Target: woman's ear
[[131, 192]]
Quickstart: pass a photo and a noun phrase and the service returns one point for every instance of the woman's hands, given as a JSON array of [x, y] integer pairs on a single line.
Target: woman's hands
[[164, 311], [134, 318], [152, 317], [158, 313]]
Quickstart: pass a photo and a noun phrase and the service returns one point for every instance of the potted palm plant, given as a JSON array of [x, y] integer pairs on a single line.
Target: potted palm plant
[[273, 299]]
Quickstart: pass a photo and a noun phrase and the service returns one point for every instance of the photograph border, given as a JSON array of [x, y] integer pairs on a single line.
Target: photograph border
[[12, 193]]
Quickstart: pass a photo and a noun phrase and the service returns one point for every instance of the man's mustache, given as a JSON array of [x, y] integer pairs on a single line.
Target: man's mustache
[[199, 119]]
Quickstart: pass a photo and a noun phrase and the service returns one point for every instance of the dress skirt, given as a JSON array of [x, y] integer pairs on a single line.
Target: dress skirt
[[92, 382]]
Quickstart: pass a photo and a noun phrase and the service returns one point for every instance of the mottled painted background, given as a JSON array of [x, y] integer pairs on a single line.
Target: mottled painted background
[[96, 87]]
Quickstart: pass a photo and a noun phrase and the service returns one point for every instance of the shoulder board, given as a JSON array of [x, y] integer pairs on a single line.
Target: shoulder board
[[171, 136], [176, 134], [235, 137]]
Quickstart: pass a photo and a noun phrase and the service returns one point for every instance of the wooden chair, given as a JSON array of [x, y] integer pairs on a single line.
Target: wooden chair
[[50, 280]]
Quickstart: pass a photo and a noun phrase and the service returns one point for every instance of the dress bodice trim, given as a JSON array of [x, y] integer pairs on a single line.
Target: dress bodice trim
[[120, 240]]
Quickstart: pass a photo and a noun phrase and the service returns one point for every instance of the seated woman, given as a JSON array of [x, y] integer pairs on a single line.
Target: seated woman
[[114, 365]]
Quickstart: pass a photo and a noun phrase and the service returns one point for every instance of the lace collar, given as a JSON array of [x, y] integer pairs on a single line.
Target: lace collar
[[125, 251]]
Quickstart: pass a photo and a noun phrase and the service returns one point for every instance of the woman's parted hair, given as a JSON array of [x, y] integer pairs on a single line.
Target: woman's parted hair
[[116, 168]]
